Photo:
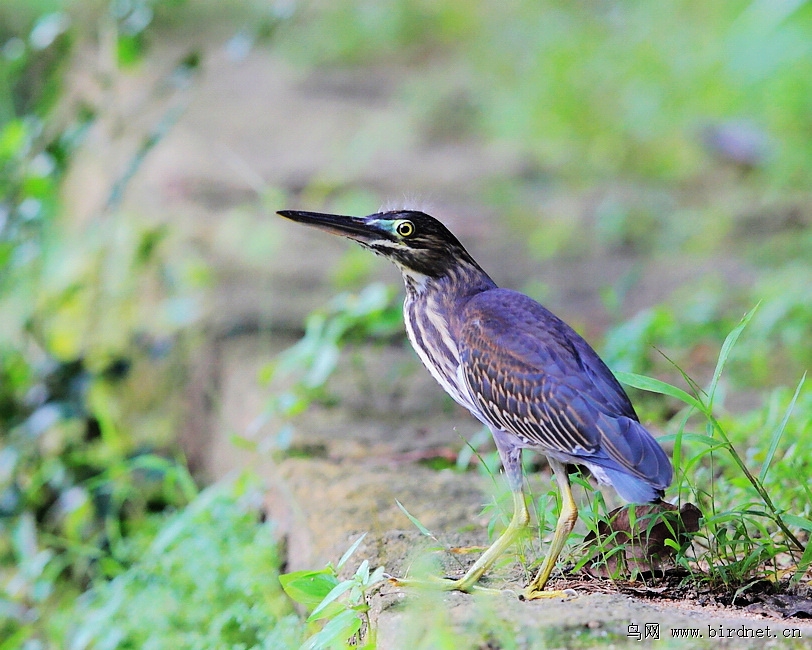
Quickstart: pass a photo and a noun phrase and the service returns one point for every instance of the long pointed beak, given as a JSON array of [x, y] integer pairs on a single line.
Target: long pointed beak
[[360, 229]]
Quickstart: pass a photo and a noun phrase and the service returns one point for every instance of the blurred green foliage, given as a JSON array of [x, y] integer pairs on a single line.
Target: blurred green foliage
[[597, 89], [674, 132], [206, 578], [373, 313], [94, 329], [31, 159]]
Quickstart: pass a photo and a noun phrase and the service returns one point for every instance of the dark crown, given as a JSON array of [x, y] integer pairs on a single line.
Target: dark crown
[[424, 245]]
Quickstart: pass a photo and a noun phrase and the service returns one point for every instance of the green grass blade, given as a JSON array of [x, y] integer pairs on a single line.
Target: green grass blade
[[417, 524], [724, 353], [470, 448], [803, 564], [656, 386], [776, 437], [695, 388], [350, 551], [684, 436]]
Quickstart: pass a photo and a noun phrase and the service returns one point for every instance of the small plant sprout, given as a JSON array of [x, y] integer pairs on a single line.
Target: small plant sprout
[[340, 609]]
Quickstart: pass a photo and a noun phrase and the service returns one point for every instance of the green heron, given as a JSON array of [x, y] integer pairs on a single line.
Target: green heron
[[518, 368]]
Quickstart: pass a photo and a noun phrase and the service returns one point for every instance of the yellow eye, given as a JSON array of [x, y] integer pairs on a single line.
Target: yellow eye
[[405, 228]]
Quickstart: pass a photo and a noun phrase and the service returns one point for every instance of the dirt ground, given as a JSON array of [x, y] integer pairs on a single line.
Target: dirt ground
[[259, 128]]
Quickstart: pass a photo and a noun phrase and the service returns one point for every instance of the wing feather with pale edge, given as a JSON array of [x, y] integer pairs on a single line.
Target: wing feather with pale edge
[[531, 374]]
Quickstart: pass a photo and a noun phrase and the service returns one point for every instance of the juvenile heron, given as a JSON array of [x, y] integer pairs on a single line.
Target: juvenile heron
[[518, 368]]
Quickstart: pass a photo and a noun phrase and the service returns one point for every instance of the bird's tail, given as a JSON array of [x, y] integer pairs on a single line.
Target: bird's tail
[[634, 464], [633, 489]]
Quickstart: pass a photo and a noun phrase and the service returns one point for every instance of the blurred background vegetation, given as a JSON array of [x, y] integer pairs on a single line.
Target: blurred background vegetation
[[672, 135]]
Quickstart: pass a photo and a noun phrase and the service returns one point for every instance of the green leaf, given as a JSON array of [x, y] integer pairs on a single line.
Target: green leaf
[[338, 630], [417, 524], [724, 353], [363, 571], [350, 551], [799, 522], [242, 442], [806, 557], [337, 591], [24, 538], [18, 637], [776, 437], [13, 139], [322, 366], [309, 588], [130, 50], [376, 577], [656, 386], [701, 438]]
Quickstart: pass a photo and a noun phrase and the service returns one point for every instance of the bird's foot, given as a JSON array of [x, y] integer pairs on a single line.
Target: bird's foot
[[446, 584], [532, 593], [443, 584]]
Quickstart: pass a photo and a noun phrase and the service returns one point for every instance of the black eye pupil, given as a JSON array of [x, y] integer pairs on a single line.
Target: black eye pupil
[[405, 229]]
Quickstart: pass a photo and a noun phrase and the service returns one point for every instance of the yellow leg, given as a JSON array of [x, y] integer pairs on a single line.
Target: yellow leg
[[564, 526], [519, 521]]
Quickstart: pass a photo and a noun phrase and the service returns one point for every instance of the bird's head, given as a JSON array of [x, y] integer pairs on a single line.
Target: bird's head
[[415, 242]]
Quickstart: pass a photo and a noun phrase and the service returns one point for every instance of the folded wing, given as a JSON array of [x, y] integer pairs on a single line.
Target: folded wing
[[533, 376]]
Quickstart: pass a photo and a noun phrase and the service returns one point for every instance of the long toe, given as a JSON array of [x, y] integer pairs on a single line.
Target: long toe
[[538, 594], [430, 582], [444, 584]]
